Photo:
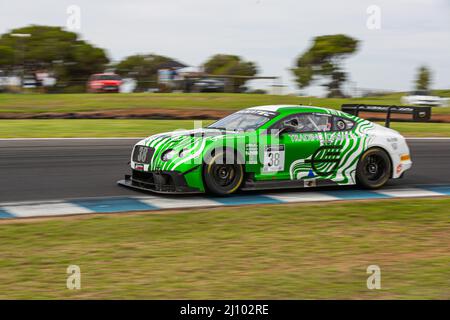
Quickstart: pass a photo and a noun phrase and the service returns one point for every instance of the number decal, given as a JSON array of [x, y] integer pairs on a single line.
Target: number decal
[[142, 156], [273, 159]]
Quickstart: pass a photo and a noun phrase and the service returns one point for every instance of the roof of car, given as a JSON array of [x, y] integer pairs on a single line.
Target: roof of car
[[289, 108]]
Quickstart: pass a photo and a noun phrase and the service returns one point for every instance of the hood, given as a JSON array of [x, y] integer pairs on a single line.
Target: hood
[[182, 136], [185, 145], [386, 131]]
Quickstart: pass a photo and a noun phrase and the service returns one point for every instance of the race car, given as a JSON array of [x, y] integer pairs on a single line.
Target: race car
[[269, 147], [104, 82], [424, 98]]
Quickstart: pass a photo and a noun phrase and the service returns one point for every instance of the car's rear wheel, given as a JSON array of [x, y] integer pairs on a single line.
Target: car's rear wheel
[[374, 169], [220, 177]]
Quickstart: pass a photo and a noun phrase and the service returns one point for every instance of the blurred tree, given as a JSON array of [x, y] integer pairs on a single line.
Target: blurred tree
[[423, 79], [143, 68], [6, 57], [324, 60], [224, 64], [54, 49]]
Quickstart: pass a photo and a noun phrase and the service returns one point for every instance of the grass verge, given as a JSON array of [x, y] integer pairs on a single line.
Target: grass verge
[[39, 103], [81, 128], [257, 252], [68, 128]]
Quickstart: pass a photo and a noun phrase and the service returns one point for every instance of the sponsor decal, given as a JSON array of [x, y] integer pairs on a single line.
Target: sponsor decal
[[264, 113], [393, 142], [331, 138], [340, 125], [325, 160], [301, 137], [309, 183], [251, 150], [139, 167]]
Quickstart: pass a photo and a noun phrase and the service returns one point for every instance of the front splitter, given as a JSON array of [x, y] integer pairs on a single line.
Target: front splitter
[[129, 184]]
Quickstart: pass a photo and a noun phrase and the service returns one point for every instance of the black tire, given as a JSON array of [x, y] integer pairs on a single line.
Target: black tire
[[221, 178], [374, 169]]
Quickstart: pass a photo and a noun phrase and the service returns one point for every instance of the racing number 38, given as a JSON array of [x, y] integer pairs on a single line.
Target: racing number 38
[[274, 158]]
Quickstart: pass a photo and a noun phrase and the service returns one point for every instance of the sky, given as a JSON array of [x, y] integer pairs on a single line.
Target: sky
[[273, 33]]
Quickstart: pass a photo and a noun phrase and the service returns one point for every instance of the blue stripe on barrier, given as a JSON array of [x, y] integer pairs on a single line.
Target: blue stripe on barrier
[[246, 199], [113, 205], [356, 194], [4, 214], [439, 189]]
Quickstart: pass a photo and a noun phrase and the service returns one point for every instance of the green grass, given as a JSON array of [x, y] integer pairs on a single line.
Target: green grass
[[293, 251], [67, 128], [442, 93], [80, 128], [422, 129], [38, 103]]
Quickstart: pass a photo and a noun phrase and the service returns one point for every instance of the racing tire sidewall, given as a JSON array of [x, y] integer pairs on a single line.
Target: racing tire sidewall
[[361, 178], [212, 186]]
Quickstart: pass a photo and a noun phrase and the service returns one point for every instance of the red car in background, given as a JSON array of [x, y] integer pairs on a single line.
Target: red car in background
[[104, 82]]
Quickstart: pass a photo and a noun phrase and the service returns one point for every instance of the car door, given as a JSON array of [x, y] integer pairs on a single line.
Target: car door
[[341, 142], [301, 150]]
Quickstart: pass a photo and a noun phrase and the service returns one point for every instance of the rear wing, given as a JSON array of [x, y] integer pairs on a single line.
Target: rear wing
[[419, 114]]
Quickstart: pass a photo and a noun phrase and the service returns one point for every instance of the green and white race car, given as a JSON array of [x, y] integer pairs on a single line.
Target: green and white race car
[[270, 147]]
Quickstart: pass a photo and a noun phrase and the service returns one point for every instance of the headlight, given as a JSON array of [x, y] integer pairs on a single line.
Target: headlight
[[182, 153], [167, 155]]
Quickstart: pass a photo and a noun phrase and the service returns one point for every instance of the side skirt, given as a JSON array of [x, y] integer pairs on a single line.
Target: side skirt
[[286, 184]]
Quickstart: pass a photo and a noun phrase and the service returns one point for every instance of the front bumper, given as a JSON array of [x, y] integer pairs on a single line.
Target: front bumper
[[401, 168], [158, 181]]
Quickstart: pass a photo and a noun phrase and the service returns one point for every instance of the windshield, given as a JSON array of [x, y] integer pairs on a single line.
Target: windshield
[[243, 120]]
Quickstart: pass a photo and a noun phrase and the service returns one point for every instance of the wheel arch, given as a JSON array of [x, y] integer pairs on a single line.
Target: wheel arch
[[237, 154], [212, 152], [389, 154]]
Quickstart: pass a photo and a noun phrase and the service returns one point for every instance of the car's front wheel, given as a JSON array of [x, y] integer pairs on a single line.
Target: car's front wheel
[[220, 177], [374, 169]]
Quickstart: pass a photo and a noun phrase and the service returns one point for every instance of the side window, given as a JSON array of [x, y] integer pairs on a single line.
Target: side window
[[317, 122], [342, 124], [306, 122]]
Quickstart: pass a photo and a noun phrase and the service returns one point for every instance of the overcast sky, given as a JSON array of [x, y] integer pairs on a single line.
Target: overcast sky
[[271, 32]]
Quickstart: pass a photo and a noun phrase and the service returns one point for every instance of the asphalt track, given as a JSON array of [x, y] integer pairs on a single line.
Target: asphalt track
[[33, 170]]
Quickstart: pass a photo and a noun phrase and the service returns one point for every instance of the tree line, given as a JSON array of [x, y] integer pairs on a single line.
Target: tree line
[[72, 60]]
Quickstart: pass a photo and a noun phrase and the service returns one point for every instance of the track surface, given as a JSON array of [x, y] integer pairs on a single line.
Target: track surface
[[79, 168]]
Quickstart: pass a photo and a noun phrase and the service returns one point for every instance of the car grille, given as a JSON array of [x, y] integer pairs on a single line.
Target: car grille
[[143, 176], [143, 154], [160, 181]]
